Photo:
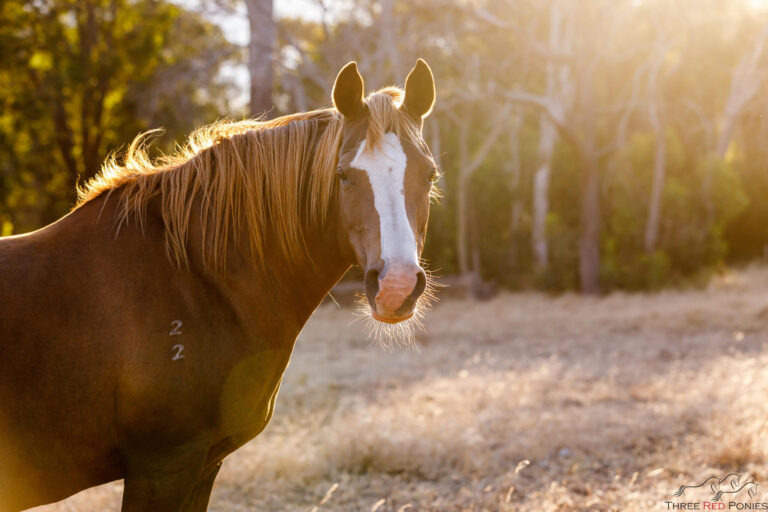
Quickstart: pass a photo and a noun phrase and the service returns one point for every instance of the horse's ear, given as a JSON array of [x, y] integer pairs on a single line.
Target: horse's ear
[[348, 90], [419, 90]]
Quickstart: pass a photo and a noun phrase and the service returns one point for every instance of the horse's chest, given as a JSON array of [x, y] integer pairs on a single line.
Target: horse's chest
[[249, 393], [229, 395]]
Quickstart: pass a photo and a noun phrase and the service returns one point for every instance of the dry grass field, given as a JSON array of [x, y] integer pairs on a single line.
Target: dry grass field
[[615, 402]]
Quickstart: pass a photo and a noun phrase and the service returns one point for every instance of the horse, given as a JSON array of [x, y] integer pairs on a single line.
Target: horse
[[144, 335]]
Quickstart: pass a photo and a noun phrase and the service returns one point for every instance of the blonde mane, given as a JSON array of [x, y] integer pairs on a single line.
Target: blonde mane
[[243, 178]]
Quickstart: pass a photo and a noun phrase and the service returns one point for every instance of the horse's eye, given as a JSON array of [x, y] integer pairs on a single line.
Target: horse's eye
[[434, 175], [342, 175]]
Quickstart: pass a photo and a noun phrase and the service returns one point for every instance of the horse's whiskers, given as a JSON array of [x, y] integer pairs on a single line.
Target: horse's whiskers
[[401, 334]]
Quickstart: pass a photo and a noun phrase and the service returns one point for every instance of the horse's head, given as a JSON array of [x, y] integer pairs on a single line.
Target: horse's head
[[385, 188]]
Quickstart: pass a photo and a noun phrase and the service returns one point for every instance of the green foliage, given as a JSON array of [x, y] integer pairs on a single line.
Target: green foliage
[[490, 220], [699, 198], [562, 272], [80, 79], [563, 223]]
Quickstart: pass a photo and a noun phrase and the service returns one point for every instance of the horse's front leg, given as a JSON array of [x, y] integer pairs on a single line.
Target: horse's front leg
[[197, 501], [161, 482]]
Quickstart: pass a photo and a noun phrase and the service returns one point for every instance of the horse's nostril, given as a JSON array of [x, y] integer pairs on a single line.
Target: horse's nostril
[[421, 284], [410, 301], [371, 282]]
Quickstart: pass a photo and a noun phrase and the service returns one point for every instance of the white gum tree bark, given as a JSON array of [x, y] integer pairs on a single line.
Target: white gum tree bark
[[557, 90], [261, 54]]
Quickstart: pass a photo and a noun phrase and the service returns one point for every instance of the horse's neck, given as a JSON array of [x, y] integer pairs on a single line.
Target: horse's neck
[[283, 290], [277, 296]]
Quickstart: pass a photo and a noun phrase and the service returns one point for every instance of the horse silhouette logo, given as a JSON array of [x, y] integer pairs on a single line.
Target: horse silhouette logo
[[729, 484]]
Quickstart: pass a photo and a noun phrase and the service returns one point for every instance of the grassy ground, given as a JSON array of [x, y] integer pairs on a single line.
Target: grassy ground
[[615, 402]]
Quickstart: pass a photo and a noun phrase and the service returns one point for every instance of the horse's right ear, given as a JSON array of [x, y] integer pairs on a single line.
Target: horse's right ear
[[419, 90], [348, 90]]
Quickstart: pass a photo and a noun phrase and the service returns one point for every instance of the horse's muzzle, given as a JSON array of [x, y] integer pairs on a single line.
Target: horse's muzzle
[[393, 294]]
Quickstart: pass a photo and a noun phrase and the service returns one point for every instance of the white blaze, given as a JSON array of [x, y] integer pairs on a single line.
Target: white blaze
[[385, 167]]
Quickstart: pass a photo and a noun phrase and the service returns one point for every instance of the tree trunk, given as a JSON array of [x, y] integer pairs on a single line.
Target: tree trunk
[[261, 50], [389, 39], [585, 140], [557, 87], [659, 175], [65, 139], [748, 77], [467, 166], [659, 163], [547, 138], [462, 205], [585, 146], [514, 167], [589, 240], [462, 202]]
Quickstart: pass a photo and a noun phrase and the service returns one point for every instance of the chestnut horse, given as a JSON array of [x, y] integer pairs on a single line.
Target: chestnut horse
[[144, 335]]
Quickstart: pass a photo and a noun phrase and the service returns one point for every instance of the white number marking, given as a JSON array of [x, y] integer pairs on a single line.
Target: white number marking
[[178, 355], [176, 324]]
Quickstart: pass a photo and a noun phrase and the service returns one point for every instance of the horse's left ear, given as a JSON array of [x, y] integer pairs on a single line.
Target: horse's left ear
[[348, 90], [419, 90]]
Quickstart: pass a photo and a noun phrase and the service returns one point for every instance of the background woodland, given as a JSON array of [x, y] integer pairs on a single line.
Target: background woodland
[[587, 145]]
